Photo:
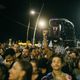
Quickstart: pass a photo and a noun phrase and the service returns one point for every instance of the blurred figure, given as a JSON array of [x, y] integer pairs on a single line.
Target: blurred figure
[[70, 60], [47, 52], [34, 54], [76, 71], [3, 72], [35, 74], [43, 67], [21, 70], [1, 56], [16, 49], [25, 54], [9, 57], [1, 53]]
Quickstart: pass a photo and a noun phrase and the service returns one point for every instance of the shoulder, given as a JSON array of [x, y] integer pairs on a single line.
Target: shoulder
[[47, 77], [44, 78], [68, 77]]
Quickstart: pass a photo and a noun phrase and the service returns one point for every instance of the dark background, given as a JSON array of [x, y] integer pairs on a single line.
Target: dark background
[[14, 16]]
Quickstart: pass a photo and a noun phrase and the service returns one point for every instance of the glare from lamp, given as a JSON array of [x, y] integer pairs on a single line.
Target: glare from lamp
[[32, 12], [42, 24]]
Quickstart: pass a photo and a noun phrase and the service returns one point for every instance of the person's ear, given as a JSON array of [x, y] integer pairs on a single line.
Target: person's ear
[[14, 57], [51, 64]]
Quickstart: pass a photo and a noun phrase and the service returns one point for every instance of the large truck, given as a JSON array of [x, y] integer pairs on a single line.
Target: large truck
[[62, 31]]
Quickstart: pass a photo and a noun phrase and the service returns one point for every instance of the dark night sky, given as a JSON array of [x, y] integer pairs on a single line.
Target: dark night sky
[[14, 15]]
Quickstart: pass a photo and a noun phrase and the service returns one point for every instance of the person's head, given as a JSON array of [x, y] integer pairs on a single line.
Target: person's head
[[25, 52], [43, 63], [73, 54], [57, 62], [34, 52], [21, 70], [15, 47], [9, 52], [9, 57], [1, 52]]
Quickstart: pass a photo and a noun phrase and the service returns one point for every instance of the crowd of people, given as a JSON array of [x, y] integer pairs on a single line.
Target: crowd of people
[[19, 62]]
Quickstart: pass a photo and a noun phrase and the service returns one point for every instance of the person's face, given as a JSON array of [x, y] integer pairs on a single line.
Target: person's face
[[8, 60], [16, 72], [1, 52], [56, 63], [34, 53], [25, 52], [15, 47], [73, 55]]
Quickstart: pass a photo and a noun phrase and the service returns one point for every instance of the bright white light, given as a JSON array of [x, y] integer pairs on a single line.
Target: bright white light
[[50, 44], [32, 12], [42, 24]]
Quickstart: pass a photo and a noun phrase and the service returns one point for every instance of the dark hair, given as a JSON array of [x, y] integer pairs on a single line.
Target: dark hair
[[27, 67], [57, 55], [72, 50], [43, 63], [10, 52]]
